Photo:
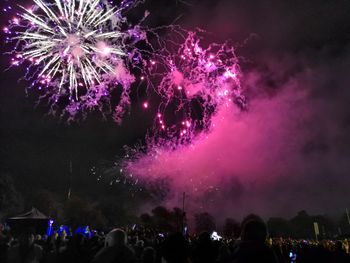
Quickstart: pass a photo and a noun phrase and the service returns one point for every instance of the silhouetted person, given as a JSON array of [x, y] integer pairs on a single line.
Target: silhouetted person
[[252, 247], [339, 255], [93, 245], [74, 252], [175, 249], [116, 249], [224, 253], [4, 246], [25, 251], [148, 255], [138, 248], [204, 249]]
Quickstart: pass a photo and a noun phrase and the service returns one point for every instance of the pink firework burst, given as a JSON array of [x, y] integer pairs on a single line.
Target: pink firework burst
[[197, 80]]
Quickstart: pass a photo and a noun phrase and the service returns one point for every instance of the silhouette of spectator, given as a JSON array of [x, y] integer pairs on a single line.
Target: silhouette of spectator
[[148, 255], [339, 254], [74, 252], [93, 245], [138, 248], [204, 251], [175, 249], [116, 249], [224, 253], [25, 251], [252, 247], [4, 245], [39, 240]]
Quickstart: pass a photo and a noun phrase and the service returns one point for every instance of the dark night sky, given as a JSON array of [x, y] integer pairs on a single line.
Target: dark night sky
[[36, 148]]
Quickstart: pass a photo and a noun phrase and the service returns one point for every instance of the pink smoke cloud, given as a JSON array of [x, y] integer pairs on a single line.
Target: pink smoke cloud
[[268, 159]]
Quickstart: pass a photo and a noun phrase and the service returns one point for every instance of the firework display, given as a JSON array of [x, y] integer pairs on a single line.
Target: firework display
[[82, 55], [200, 90], [76, 52], [196, 82]]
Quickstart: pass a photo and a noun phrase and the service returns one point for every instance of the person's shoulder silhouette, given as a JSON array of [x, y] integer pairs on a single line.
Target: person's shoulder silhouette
[[252, 247]]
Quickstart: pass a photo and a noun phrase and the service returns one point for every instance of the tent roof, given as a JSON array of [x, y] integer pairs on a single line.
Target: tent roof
[[32, 214]]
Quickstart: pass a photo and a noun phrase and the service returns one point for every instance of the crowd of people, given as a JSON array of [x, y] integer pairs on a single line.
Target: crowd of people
[[142, 245]]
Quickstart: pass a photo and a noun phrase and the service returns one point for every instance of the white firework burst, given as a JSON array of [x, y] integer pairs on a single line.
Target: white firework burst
[[71, 39], [74, 48]]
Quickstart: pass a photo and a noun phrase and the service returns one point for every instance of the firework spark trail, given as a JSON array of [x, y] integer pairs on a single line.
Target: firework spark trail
[[81, 50], [192, 75], [184, 73], [77, 50], [187, 74]]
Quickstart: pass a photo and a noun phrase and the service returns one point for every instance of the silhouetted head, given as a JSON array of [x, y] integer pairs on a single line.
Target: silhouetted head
[[116, 237], [175, 249], [148, 255], [254, 230], [205, 249], [26, 239], [76, 241], [339, 245], [204, 237]]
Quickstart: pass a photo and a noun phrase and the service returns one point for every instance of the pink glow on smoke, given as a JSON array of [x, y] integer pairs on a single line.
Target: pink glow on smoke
[[236, 144], [255, 148], [122, 75], [193, 89], [178, 77]]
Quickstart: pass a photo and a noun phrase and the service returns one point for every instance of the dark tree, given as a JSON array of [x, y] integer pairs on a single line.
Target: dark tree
[[204, 222], [79, 212], [302, 225], [177, 217], [10, 200], [344, 225], [147, 220], [231, 228], [162, 219], [326, 226], [279, 227], [47, 202]]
